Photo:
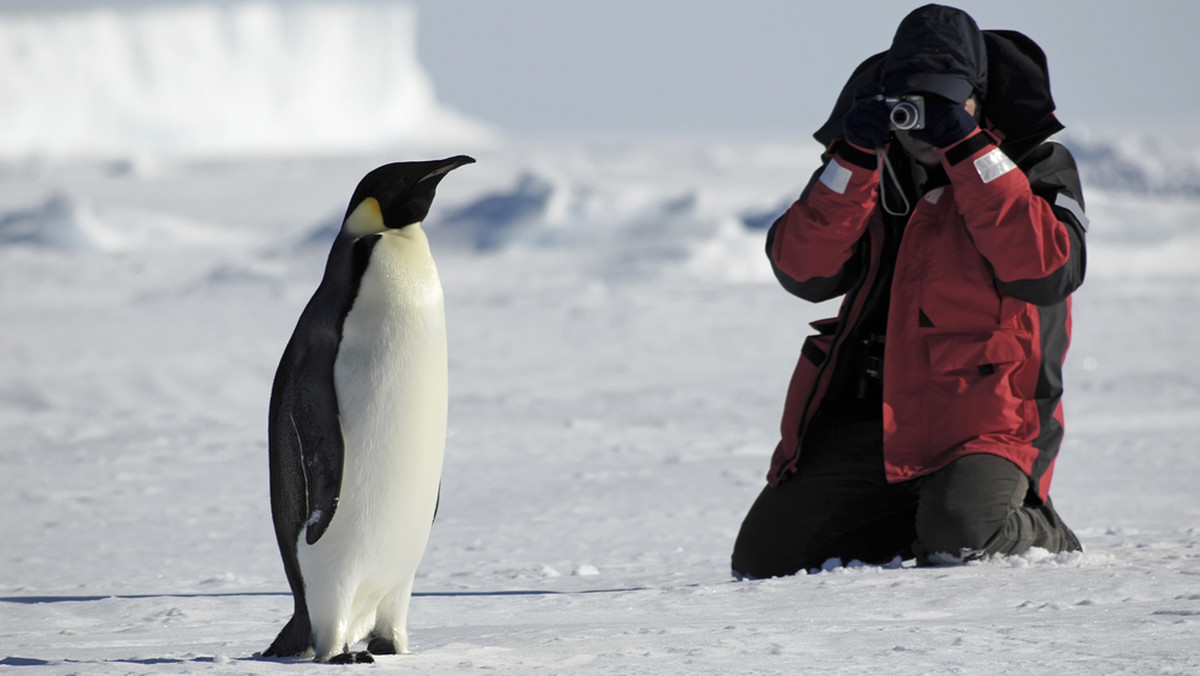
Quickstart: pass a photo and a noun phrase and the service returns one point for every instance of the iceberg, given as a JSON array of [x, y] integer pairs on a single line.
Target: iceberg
[[250, 77]]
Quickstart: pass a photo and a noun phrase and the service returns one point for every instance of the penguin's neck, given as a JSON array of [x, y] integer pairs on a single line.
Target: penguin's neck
[[401, 267], [393, 345]]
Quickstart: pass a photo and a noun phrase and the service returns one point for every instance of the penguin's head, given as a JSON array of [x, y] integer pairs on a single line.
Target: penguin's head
[[396, 195]]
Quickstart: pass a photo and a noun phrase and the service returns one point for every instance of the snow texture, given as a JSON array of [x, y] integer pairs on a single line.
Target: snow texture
[[619, 354]]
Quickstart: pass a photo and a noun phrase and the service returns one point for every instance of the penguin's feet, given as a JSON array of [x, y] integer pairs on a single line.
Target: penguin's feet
[[381, 646], [362, 657]]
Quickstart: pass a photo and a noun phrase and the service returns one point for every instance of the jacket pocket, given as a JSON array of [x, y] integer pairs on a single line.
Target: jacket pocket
[[817, 347], [966, 352], [974, 389]]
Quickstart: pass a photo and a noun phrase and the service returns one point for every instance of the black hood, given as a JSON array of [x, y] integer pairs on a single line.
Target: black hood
[[1018, 105], [937, 50]]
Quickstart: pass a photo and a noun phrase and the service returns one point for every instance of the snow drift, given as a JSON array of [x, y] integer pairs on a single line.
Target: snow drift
[[59, 223], [626, 211], [246, 77]]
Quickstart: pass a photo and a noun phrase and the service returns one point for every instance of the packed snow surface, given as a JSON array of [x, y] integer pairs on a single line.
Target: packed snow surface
[[619, 354]]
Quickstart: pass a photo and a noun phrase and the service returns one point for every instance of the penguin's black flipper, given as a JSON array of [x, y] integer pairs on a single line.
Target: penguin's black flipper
[[323, 450], [323, 475]]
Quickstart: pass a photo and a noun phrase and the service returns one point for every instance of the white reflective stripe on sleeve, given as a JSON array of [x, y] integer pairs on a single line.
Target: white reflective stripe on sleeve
[[836, 177], [1076, 209], [993, 165]]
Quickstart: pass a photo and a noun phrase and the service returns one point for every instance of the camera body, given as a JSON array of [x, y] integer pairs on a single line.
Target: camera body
[[907, 112]]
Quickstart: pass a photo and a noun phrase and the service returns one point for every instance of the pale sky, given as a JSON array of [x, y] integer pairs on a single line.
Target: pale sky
[[776, 66], [765, 67]]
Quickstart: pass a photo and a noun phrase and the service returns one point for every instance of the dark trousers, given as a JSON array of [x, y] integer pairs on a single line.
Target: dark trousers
[[839, 505]]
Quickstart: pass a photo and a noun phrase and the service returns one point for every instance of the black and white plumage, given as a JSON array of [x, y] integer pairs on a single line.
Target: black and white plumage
[[357, 424]]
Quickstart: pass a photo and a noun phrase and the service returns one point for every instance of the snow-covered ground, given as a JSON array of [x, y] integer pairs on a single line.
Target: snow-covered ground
[[619, 356]]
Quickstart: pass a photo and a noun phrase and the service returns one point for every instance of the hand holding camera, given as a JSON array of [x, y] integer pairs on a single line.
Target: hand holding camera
[[866, 124], [946, 122], [930, 118]]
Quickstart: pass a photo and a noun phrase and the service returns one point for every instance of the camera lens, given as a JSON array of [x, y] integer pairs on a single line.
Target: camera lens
[[904, 116]]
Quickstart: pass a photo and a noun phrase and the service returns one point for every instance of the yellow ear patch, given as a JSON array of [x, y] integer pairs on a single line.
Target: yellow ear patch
[[366, 219]]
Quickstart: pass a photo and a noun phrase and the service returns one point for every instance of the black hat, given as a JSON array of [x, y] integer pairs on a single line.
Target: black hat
[[937, 50]]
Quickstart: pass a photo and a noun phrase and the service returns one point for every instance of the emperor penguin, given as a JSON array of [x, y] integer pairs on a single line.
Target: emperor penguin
[[357, 424]]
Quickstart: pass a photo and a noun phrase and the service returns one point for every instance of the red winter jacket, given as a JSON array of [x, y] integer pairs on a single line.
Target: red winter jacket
[[978, 318]]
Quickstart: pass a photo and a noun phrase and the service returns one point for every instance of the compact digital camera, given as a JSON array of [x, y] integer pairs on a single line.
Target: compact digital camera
[[907, 112]]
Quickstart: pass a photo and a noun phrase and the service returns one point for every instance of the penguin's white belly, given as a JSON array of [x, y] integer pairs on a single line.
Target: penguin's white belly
[[391, 380]]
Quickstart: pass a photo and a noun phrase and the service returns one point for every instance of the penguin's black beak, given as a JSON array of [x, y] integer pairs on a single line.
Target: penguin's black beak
[[444, 167]]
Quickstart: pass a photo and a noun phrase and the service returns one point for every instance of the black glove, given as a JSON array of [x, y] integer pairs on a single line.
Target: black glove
[[866, 123], [946, 122]]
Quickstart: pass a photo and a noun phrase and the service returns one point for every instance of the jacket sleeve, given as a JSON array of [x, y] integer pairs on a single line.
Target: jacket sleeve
[[1027, 221], [812, 245]]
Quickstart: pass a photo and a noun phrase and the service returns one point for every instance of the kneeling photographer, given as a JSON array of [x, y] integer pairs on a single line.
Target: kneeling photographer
[[924, 420]]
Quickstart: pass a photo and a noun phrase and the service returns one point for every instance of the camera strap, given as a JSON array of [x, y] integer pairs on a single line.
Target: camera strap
[[885, 167]]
